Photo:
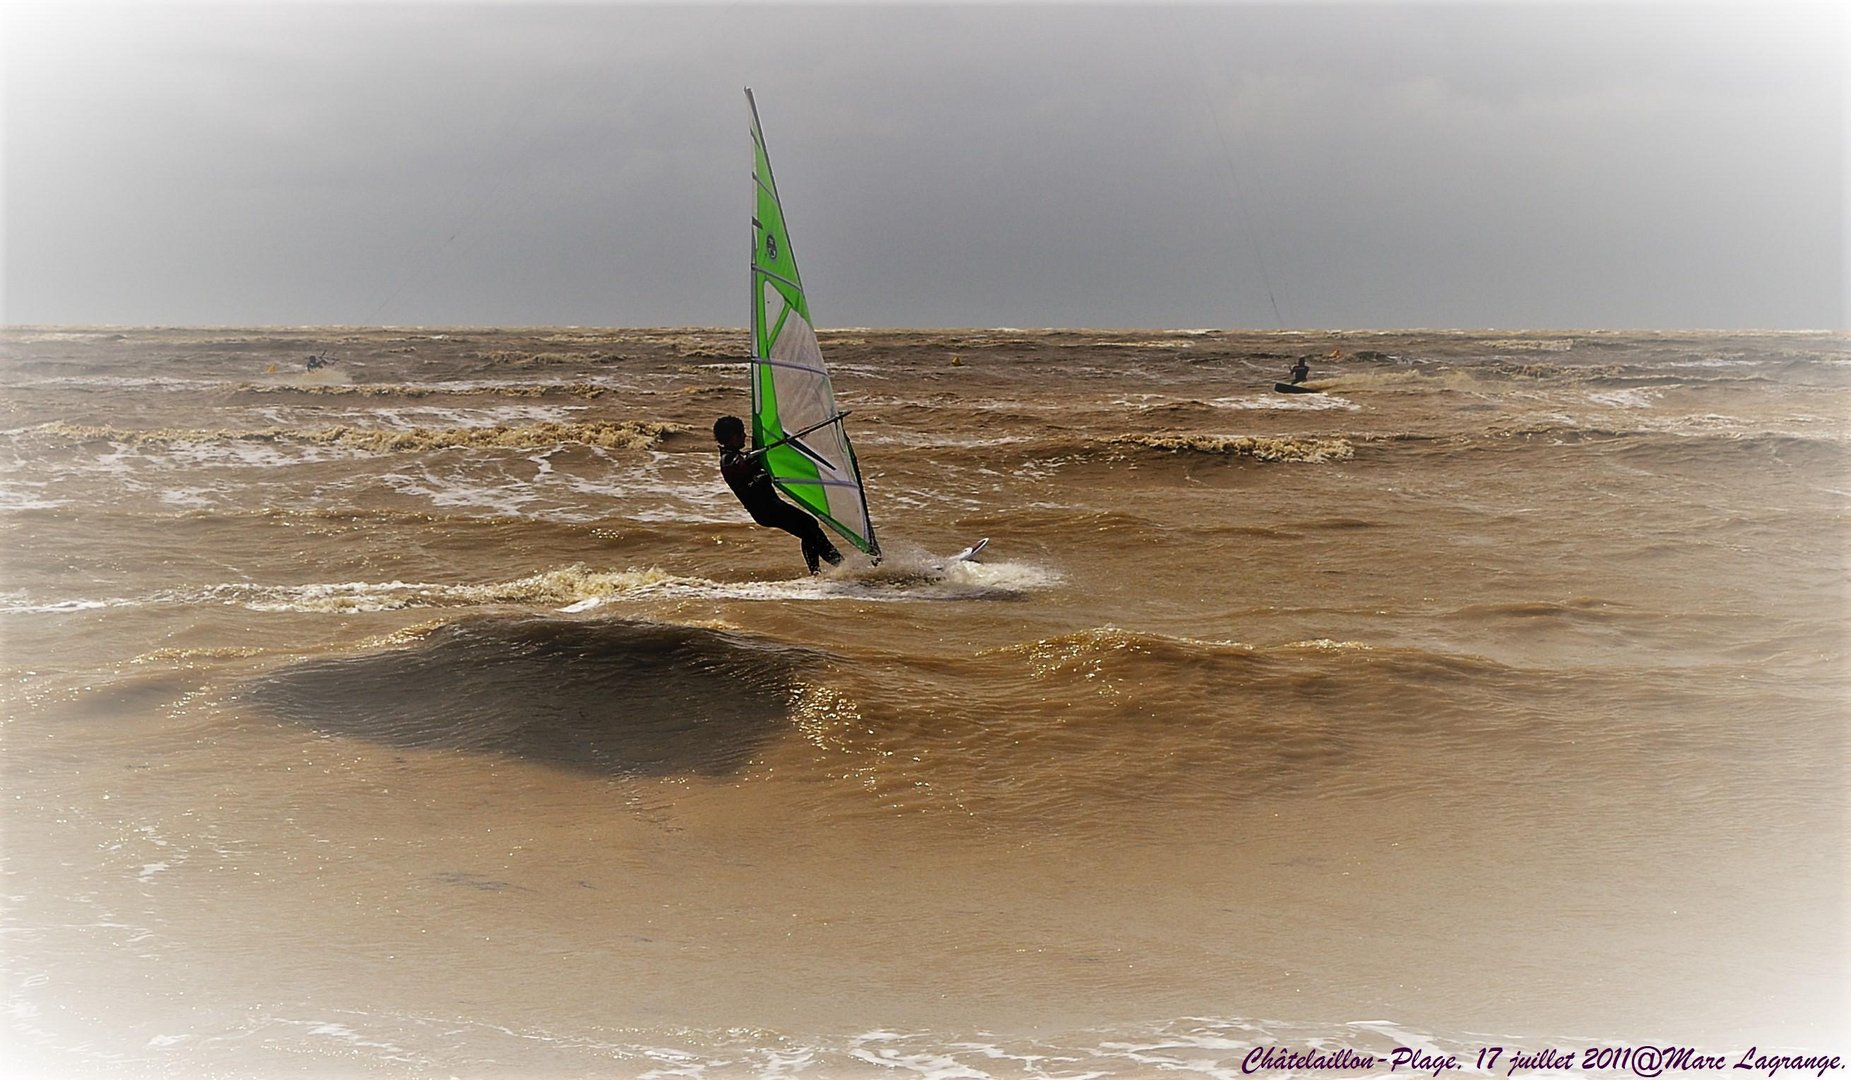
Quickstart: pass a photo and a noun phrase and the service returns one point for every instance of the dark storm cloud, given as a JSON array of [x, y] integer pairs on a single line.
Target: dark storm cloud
[[1245, 165]]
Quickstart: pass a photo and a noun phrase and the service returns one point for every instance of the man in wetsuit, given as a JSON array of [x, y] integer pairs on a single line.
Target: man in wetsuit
[[1301, 371], [745, 474]]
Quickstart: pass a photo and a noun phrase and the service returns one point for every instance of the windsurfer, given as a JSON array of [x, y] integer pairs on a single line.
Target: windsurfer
[[745, 474], [1301, 371]]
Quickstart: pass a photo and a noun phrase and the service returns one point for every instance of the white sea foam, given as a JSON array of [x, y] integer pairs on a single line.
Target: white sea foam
[[570, 490], [238, 453], [1712, 362], [936, 441], [414, 417], [1195, 1046], [656, 491], [892, 580], [188, 498], [579, 588], [27, 495], [352, 1041], [457, 493], [1631, 398], [17, 604], [346, 596], [1303, 402]]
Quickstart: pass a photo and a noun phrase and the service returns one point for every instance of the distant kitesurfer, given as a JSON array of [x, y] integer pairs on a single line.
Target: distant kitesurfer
[[1301, 371], [745, 474]]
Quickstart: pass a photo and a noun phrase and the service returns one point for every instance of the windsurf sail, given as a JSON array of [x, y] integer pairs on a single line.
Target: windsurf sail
[[795, 421]]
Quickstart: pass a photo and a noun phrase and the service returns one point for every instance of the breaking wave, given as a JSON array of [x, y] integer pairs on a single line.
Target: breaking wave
[[1257, 447]]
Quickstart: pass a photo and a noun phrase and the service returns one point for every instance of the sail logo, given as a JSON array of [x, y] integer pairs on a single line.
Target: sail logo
[[771, 247]]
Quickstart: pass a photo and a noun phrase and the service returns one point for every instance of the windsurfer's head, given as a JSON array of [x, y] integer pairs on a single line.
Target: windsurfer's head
[[730, 432]]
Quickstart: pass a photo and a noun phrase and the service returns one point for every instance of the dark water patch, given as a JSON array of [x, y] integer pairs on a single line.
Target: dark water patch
[[128, 699], [1580, 609], [481, 883], [1209, 532], [613, 697]]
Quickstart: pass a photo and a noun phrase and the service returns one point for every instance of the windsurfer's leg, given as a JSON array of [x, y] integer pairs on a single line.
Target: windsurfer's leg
[[816, 546], [825, 551]]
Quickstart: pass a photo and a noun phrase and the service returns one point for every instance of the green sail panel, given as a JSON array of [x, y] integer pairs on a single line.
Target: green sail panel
[[791, 393]]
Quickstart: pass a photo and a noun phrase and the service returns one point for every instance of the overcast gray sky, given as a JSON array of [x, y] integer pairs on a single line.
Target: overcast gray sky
[[1234, 164]]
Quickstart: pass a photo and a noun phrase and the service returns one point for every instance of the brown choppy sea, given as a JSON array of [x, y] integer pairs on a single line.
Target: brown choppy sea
[[435, 711]]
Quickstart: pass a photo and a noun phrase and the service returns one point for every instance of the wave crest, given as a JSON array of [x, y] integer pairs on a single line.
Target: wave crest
[[408, 390], [1257, 447]]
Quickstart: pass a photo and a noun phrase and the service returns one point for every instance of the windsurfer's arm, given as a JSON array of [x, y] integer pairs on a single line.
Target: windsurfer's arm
[[740, 467], [796, 434]]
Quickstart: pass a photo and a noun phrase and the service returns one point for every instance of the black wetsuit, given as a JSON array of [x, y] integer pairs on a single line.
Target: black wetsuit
[[745, 474]]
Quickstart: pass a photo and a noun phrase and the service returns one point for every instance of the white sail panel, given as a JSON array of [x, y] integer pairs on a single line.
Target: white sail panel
[[805, 399]]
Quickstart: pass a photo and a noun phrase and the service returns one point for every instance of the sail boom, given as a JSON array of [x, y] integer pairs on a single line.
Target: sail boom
[[769, 362], [820, 483]]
